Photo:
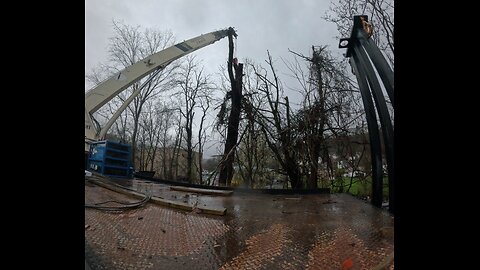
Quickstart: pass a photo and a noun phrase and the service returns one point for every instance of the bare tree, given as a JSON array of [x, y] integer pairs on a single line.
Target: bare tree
[[175, 153], [327, 108], [311, 118], [155, 123], [168, 116], [193, 84], [276, 124], [127, 46], [252, 153], [204, 103]]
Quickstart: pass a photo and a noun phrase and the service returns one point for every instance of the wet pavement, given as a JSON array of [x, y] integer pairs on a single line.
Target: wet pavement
[[259, 231]]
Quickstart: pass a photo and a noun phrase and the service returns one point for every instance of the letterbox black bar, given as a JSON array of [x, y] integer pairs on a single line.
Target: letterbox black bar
[[373, 132], [383, 115]]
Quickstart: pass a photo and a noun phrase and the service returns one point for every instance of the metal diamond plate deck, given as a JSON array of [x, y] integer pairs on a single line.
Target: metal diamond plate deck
[[323, 231]]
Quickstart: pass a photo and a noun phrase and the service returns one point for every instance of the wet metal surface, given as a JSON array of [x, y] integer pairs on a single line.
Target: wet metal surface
[[258, 232]]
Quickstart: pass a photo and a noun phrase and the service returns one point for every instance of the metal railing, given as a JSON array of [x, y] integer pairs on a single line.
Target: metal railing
[[362, 52]]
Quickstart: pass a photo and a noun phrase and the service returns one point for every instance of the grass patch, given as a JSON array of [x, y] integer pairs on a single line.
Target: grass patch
[[360, 187]]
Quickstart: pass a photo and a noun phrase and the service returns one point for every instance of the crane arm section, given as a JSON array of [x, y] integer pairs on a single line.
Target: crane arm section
[[98, 96], [108, 89]]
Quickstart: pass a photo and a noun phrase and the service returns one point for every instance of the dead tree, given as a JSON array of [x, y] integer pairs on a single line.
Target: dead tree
[[149, 138], [128, 46], [193, 85], [276, 124], [326, 108], [252, 153], [202, 136], [226, 171], [167, 117]]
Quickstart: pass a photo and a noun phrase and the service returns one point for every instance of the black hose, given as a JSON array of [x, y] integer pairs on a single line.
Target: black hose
[[125, 205]]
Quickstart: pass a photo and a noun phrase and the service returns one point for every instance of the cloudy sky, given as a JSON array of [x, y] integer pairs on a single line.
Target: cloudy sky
[[276, 25]]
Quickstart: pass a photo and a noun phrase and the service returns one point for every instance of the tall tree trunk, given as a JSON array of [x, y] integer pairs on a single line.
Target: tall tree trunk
[[293, 172], [315, 155], [154, 153], [200, 142], [317, 121], [226, 172], [249, 157], [176, 153], [200, 167], [134, 136], [189, 151], [166, 175]]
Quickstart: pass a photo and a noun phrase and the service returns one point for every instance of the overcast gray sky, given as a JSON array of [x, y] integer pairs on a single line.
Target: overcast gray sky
[[276, 25]]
